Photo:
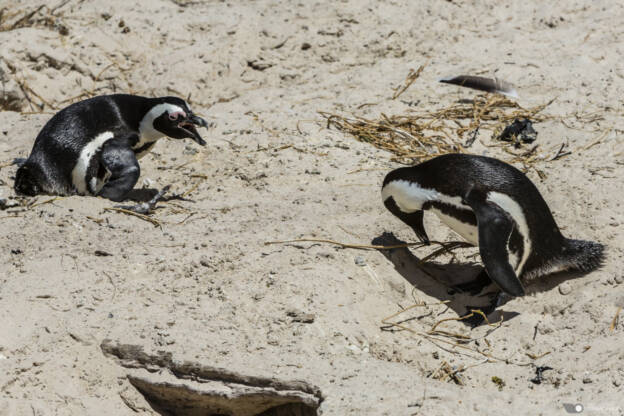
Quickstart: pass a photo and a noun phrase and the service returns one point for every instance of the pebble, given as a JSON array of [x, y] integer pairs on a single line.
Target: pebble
[[587, 378], [7, 203], [148, 183], [565, 288], [300, 316], [619, 279], [359, 260], [204, 261]]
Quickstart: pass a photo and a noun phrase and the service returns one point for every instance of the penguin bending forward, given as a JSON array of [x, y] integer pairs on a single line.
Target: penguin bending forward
[[91, 147], [493, 206]]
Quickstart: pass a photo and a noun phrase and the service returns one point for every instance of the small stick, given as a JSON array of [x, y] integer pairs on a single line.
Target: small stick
[[561, 153], [416, 305], [535, 357], [184, 220], [97, 77], [110, 279], [56, 198], [135, 214], [409, 80], [615, 319], [602, 136], [345, 245], [26, 17], [365, 246], [194, 187]]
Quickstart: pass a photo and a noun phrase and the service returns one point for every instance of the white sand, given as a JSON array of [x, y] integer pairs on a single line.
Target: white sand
[[207, 289]]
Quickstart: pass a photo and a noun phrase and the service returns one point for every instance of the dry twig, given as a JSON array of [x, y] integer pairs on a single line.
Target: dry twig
[[409, 80], [135, 214]]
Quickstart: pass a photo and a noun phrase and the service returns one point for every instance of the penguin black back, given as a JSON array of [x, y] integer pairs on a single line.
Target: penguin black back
[[485, 199]]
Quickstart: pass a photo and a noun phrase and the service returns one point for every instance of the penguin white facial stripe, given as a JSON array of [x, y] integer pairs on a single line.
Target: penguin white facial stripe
[[147, 132], [515, 211], [80, 169], [410, 197], [513, 260]]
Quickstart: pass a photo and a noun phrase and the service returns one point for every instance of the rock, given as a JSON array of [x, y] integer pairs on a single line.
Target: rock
[[619, 278], [205, 261], [587, 378], [186, 387], [7, 203], [190, 150], [521, 129], [565, 288], [359, 260]]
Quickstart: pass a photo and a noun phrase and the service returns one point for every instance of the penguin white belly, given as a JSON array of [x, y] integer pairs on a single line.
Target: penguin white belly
[[469, 232]]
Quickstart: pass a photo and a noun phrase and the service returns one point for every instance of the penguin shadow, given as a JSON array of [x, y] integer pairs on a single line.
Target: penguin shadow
[[436, 280], [141, 195], [148, 194]]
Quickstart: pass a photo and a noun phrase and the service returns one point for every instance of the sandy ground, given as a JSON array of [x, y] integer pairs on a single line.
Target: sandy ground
[[206, 289]]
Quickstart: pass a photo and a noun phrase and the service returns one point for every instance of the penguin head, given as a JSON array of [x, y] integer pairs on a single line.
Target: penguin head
[[173, 117], [28, 180]]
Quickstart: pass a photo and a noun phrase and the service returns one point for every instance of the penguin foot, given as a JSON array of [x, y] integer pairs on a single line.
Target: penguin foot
[[477, 319], [145, 208]]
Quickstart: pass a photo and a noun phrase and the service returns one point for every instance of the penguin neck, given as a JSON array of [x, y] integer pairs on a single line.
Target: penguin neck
[[147, 132], [408, 196]]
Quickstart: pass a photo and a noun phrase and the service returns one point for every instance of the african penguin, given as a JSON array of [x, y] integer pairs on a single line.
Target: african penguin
[[493, 206], [91, 147]]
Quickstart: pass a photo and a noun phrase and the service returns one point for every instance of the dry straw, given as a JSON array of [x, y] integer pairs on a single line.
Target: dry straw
[[425, 134]]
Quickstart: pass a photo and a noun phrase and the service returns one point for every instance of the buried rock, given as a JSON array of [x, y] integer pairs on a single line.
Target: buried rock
[[521, 130], [192, 389]]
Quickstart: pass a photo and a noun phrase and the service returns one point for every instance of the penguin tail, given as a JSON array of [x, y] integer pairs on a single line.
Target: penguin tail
[[26, 182], [583, 255]]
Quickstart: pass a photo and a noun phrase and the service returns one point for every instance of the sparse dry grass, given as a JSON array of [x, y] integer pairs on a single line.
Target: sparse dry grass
[[421, 135]]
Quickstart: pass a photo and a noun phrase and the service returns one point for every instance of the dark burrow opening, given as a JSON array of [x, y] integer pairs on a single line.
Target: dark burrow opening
[[180, 400]]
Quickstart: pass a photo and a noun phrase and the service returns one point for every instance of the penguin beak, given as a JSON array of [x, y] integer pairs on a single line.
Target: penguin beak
[[189, 124], [416, 222]]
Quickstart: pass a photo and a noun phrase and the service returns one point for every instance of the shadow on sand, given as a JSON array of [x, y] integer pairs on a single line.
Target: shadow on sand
[[436, 280]]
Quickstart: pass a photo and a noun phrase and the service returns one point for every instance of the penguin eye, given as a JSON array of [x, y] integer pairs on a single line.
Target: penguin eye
[[177, 114]]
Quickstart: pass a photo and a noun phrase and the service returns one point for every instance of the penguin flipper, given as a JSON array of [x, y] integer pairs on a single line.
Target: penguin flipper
[[495, 228], [119, 159]]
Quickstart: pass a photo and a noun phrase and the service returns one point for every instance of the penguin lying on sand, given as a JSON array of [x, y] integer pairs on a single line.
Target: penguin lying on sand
[[494, 206], [91, 147]]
